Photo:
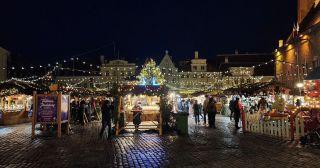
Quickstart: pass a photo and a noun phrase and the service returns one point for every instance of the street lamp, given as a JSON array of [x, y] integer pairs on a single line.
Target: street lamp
[[300, 85]]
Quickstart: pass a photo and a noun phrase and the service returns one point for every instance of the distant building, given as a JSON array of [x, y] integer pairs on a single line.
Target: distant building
[[4, 54], [226, 61], [115, 71], [195, 77], [242, 69], [299, 55], [118, 71], [197, 64]]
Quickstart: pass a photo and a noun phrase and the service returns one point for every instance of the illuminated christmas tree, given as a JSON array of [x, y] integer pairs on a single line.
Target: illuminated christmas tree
[[151, 74], [279, 104]]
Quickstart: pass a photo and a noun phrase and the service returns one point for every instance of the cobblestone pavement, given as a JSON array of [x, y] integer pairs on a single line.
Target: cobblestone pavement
[[221, 147]]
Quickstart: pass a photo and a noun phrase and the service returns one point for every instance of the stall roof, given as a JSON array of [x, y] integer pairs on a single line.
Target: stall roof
[[156, 90], [12, 87], [256, 87], [85, 92]]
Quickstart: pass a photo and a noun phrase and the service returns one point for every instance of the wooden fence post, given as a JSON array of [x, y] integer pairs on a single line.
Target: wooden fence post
[[283, 127]]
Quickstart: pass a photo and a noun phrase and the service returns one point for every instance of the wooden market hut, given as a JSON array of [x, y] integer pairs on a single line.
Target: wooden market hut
[[16, 100], [150, 97]]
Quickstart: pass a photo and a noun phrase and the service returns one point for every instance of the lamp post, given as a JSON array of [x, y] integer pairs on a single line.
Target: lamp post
[[300, 85]]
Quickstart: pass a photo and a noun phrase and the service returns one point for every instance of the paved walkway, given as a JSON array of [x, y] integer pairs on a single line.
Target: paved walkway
[[221, 147]]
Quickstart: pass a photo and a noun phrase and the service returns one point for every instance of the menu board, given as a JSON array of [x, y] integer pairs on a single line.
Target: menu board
[[47, 108]]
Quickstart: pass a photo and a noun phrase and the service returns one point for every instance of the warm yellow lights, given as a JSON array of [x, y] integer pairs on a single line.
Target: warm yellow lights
[[299, 85]]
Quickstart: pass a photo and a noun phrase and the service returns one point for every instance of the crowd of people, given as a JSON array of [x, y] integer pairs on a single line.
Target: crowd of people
[[86, 110], [208, 110]]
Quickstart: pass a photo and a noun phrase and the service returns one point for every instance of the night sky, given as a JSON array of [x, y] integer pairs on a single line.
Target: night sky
[[45, 31]]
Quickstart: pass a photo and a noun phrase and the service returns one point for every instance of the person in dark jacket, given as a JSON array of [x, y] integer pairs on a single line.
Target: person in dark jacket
[[196, 111], [74, 109], [237, 112], [137, 111], [212, 111], [81, 112], [106, 118]]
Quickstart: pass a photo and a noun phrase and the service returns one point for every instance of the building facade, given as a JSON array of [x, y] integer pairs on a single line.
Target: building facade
[[300, 54], [112, 72], [195, 79], [197, 64], [304, 7], [247, 68], [4, 54], [118, 71], [169, 70]]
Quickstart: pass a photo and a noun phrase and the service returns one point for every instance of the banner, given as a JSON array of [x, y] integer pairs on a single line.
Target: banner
[[47, 108], [64, 107]]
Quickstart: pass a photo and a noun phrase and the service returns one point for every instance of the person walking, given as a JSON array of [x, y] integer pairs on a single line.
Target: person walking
[[237, 110], [81, 112], [212, 110], [205, 109], [231, 107], [106, 118], [89, 110], [196, 112], [73, 111], [137, 111]]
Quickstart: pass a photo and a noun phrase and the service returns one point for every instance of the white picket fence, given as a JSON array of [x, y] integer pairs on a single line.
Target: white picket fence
[[276, 128]]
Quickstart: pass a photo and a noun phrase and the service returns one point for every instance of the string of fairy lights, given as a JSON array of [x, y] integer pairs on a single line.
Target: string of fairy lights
[[221, 79]]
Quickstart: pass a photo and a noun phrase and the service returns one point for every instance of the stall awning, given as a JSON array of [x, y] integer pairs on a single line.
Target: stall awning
[[12, 87], [258, 87]]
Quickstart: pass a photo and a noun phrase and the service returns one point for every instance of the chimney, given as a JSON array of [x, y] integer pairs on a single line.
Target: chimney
[[226, 59], [280, 43], [102, 59], [196, 55]]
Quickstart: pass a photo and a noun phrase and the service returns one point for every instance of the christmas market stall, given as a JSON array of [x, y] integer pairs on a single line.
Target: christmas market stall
[[140, 104], [16, 101], [312, 88], [277, 113], [309, 113]]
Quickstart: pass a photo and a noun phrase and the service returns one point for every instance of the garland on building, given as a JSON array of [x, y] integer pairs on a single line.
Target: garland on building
[[151, 74]]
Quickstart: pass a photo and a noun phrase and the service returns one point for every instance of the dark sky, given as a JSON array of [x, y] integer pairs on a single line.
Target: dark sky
[[45, 31]]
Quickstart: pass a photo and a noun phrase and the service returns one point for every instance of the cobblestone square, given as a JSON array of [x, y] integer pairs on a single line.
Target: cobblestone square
[[221, 147]]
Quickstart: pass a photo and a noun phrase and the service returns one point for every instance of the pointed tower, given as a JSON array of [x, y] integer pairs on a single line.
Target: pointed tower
[[166, 61], [168, 69]]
